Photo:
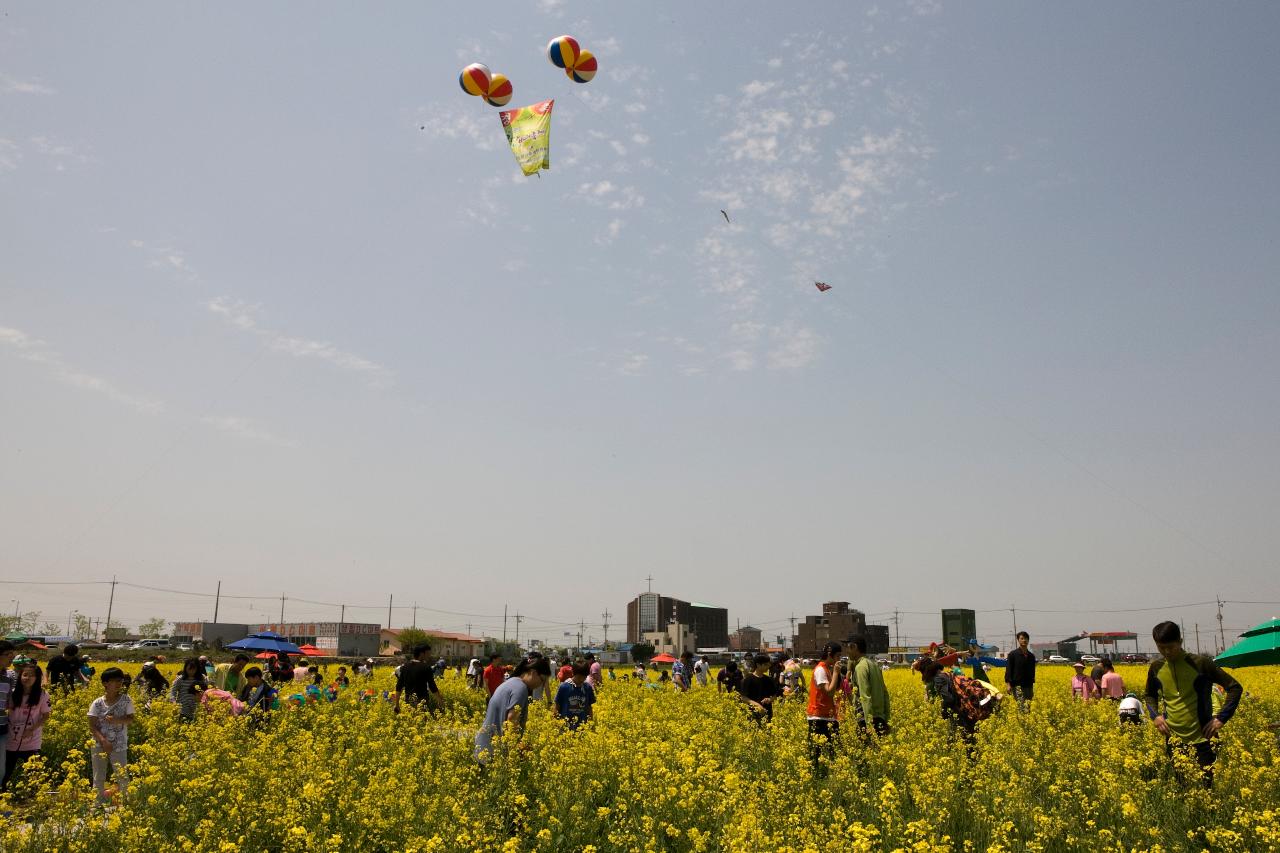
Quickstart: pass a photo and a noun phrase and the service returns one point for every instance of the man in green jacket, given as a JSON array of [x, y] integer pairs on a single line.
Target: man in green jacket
[[872, 695], [1180, 698]]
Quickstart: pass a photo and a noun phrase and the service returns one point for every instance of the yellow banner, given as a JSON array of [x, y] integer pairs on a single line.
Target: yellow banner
[[528, 131]]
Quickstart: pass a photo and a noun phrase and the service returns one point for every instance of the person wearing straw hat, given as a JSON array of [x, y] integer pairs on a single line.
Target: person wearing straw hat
[[1082, 685]]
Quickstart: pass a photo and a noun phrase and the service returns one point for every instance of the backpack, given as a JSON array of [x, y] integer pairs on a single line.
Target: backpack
[[975, 702]]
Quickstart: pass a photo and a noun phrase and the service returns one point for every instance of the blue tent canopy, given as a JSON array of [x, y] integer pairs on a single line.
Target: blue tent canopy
[[264, 641]]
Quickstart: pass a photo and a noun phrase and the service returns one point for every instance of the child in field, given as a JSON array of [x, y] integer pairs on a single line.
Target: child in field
[[109, 719], [187, 688], [257, 694], [28, 710], [575, 697]]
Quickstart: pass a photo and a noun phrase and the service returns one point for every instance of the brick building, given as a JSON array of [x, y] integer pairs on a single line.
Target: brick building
[[745, 639]]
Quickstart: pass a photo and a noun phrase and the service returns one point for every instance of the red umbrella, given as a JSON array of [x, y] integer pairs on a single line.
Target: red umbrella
[[272, 655], [311, 651], [662, 659]]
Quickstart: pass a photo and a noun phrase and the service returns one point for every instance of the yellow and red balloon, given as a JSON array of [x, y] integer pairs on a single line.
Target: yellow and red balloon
[[499, 94], [475, 79], [563, 51], [584, 69]]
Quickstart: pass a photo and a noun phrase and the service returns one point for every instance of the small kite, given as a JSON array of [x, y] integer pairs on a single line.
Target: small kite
[[822, 286], [726, 217]]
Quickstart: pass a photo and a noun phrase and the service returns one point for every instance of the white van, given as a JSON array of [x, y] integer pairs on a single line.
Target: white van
[[151, 644]]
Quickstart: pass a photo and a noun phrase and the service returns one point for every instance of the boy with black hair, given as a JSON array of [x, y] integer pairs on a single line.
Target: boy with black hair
[[1180, 698], [109, 718], [575, 696], [256, 693]]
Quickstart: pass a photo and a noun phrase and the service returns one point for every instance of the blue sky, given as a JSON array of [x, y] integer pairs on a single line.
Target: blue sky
[[257, 325]]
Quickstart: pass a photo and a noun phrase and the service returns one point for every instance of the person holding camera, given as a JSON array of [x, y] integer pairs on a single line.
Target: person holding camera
[[824, 725]]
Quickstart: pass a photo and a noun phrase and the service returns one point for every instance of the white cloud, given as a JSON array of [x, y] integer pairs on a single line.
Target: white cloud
[[794, 347], [246, 429], [633, 364], [10, 155], [14, 86], [740, 359], [241, 316], [635, 107], [235, 312], [776, 62], [35, 350], [552, 7], [756, 88], [455, 123]]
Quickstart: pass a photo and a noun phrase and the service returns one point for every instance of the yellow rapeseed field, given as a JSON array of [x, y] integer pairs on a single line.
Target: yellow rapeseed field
[[655, 771]]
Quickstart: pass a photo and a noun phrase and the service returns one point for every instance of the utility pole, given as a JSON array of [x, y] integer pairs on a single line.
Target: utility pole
[[650, 580], [519, 619], [504, 624], [110, 602], [1222, 637], [282, 608], [897, 633], [605, 616], [791, 640], [217, 598], [1013, 608], [390, 598], [69, 615], [415, 615], [96, 623], [1197, 638], [581, 627]]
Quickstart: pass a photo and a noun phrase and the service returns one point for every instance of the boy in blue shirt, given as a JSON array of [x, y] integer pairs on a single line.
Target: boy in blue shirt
[[575, 697]]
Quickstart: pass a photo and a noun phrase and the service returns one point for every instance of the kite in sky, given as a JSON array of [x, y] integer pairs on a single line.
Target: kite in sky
[[726, 217], [822, 286]]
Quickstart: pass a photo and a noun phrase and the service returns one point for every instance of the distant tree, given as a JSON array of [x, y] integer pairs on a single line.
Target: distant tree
[[410, 637], [83, 627], [510, 651], [22, 623], [641, 652], [51, 629], [153, 628]]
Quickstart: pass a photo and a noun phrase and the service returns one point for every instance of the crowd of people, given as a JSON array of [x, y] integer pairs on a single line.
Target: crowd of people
[[1187, 697]]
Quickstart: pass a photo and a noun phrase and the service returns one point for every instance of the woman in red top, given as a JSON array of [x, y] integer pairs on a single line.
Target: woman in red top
[[824, 726]]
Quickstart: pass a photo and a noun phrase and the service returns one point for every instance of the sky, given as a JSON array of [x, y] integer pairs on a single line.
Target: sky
[[278, 309]]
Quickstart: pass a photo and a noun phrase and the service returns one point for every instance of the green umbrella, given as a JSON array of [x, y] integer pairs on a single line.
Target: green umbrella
[[1259, 646]]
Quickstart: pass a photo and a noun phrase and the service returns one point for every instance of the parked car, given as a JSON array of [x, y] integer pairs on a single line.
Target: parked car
[[1090, 659], [151, 644], [184, 647], [1058, 659], [1135, 657]]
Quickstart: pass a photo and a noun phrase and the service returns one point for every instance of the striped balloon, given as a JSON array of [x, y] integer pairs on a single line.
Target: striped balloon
[[563, 51], [585, 68], [474, 79], [499, 94]]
